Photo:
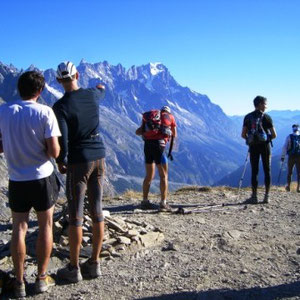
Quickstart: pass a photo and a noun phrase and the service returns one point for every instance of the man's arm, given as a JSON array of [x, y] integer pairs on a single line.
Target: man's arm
[[285, 147], [273, 133], [53, 147], [61, 160], [174, 132], [101, 89], [139, 131], [244, 132]]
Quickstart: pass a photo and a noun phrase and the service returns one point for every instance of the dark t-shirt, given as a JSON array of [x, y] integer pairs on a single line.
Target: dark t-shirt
[[77, 114], [267, 122]]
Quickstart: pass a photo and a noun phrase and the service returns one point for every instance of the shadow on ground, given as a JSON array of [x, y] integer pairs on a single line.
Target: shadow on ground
[[130, 208], [283, 291]]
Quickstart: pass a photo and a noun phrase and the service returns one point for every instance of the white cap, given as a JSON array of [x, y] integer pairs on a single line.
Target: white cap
[[66, 70], [166, 108]]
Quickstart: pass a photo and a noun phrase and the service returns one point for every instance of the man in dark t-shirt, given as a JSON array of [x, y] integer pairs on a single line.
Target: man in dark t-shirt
[[258, 131], [82, 158]]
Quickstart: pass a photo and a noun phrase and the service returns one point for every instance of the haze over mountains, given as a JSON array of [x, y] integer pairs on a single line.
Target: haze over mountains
[[209, 143]]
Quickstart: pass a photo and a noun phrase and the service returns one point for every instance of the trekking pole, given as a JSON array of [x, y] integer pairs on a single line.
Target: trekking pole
[[281, 166], [243, 174]]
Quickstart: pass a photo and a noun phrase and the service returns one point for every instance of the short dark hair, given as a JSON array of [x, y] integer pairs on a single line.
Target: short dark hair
[[30, 83], [258, 100]]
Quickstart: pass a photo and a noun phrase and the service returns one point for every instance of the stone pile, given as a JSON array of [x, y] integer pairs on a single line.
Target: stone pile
[[121, 236]]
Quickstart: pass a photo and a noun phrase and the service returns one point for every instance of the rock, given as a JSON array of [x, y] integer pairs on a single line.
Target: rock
[[106, 213], [30, 270], [116, 254], [111, 241], [244, 271], [170, 247], [201, 220], [55, 263], [132, 233], [64, 241], [120, 248], [235, 234], [135, 238], [124, 240], [143, 231], [104, 253], [57, 228], [86, 251], [111, 223], [85, 239], [151, 239]]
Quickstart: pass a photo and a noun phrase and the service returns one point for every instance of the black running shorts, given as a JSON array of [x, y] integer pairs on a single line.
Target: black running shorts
[[82, 177], [41, 194], [154, 152]]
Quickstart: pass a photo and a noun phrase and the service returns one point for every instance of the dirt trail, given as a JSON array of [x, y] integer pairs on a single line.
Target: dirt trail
[[229, 252]]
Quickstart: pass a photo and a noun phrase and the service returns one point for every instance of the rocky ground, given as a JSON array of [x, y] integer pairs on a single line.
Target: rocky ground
[[221, 250]]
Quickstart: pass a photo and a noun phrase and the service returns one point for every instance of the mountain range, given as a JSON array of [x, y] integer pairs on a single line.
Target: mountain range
[[208, 147], [208, 144]]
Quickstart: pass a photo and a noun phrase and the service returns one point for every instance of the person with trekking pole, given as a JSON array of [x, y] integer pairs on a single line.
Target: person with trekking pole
[[82, 159], [292, 148], [258, 131], [158, 126]]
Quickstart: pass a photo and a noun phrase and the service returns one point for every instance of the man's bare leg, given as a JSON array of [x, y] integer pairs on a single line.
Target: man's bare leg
[[75, 239], [163, 174], [18, 246], [44, 242], [98, 233], [150, 172]]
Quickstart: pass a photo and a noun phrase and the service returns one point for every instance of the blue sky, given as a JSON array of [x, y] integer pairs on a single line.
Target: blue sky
[[229, 50]]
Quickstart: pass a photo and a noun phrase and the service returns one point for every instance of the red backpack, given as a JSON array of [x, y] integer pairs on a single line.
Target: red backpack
[[157, 125]]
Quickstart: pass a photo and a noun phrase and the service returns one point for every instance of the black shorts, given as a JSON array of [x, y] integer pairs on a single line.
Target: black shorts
[[41, 194], [155, 152]]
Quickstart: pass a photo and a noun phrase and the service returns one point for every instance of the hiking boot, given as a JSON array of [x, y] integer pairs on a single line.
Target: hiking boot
[[42, 284], [287, 188], [19, 289], [90, 269], [164, 207], [266, 198], [70, 274], [146, 204]]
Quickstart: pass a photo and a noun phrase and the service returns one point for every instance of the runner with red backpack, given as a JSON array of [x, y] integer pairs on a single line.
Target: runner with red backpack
[[158, 127]]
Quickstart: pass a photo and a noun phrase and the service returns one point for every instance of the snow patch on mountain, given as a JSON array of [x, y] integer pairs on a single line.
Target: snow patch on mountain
[[53, 91], [156, 68]]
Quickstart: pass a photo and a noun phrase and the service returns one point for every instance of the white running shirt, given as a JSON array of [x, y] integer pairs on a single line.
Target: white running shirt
[[24, 126]]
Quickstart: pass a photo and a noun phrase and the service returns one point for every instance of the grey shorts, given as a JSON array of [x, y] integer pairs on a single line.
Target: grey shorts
[[82, 178]]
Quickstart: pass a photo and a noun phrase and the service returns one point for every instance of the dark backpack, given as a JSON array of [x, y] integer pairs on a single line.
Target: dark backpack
[[295, 145], [156, 124], [256, 134]]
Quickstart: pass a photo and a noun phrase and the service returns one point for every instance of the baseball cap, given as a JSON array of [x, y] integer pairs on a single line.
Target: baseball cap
[[166, 108], [66, 70]]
